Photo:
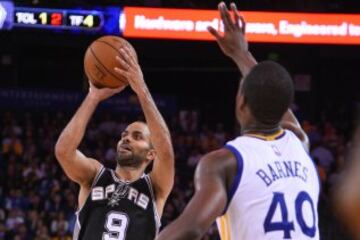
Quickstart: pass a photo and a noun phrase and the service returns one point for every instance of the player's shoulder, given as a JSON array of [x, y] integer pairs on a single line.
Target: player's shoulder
[[241, 144], [221, 164], [217, 156], [103, 174], [242, 140], [302, 142], [218, 161]]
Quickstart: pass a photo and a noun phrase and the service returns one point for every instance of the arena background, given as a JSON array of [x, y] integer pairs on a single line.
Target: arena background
[[42, 83]]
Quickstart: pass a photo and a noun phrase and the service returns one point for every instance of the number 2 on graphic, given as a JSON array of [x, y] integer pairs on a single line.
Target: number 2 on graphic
[[56, 19], [116, 224]]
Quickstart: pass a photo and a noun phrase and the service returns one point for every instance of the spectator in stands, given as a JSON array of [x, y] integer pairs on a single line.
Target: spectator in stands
[[324, 155]]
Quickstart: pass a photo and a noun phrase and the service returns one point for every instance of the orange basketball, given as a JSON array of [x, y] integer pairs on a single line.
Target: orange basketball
[[100, 61]]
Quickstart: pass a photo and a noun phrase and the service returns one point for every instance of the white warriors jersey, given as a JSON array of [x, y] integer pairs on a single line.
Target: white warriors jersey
[[275, 192]]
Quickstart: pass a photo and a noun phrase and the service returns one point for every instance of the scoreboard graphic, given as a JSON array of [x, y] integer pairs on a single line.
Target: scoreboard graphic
[[184, 24], [104, 20], [60, 19]]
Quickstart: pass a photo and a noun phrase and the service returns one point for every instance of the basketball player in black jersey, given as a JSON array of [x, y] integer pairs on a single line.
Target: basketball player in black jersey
[[120, 204]]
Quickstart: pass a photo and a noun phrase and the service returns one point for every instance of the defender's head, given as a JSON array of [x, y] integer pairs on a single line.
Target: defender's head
[[264, 95], [134, 148]]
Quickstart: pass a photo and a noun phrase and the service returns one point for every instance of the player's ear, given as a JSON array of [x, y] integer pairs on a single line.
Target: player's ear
[[151, 154], [240, 102]]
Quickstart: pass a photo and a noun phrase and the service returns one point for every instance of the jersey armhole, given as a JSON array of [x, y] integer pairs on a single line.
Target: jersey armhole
[[77, 227], [156, 212], [96, 179], [239, 171], [317, 172]]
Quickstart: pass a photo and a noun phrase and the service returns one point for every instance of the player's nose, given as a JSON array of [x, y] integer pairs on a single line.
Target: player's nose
[[126, 139]]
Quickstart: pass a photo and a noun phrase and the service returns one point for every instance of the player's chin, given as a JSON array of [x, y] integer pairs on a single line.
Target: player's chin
[[126, 164], [124, 156]]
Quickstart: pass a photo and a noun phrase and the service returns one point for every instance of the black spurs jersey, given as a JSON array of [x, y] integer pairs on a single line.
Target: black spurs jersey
[[116, 210]]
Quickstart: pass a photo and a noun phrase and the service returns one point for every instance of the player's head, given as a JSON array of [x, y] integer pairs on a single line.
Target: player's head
[[264, 96], [134, 148]]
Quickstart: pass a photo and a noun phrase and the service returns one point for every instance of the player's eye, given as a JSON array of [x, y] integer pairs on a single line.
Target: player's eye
[[138, 137]]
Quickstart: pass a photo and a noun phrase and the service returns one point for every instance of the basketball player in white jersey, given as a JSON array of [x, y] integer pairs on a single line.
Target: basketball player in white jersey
[[263, 184]]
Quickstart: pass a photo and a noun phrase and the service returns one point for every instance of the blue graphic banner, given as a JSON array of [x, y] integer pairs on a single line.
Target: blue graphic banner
[[6, 15]]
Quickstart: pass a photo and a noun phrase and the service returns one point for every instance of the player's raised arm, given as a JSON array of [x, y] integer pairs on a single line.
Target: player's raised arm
[[233, 43], [290, 122], [78, 167], [210, 198], [162, 175]]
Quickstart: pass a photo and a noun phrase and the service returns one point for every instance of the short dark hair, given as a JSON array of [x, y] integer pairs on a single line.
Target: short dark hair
[[145, 123], [268, 91]]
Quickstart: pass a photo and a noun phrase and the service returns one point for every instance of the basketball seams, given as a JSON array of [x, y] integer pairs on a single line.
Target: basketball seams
[[117, 50], [103, 51], [89, 74], [106, 69]]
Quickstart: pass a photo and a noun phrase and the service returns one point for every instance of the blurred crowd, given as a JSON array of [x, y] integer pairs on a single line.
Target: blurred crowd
[[37, 201]]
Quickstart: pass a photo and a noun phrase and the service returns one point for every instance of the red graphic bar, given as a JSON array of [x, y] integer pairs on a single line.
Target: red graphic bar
[[272, 27]]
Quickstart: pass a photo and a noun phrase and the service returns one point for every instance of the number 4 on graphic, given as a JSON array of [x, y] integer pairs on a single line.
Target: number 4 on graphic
[[89, 21], [116, 224]]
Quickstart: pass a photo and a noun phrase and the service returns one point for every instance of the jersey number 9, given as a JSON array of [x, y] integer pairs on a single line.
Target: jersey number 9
[[116, 225]]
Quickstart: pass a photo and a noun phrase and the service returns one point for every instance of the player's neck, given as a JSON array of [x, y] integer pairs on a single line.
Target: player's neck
[[128, 174], [258, 128]]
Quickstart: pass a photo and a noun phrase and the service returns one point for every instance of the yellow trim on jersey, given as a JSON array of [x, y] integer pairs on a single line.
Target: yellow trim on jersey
[[221, 226], [224, 227], [271, 137]]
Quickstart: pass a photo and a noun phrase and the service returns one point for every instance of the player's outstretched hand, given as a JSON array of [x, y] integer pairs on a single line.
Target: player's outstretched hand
[[101, 94], [233, 42], [131, 70]]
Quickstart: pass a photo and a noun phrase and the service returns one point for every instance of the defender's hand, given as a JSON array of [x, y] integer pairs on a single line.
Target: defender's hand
[[233, 43]]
